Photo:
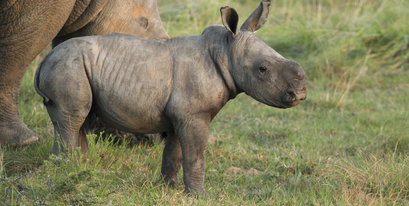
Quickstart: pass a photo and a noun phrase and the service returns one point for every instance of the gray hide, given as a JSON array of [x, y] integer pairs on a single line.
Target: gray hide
[[28, 26], [175, 86]]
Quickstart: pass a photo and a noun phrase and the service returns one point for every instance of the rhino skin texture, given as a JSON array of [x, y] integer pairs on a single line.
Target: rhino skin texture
[[175, 86], [28, 26]]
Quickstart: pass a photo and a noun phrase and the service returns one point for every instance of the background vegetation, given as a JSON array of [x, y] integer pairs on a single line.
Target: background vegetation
[[347, 144]]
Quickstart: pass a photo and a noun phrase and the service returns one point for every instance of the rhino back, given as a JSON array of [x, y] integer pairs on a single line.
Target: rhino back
[[131, 82]]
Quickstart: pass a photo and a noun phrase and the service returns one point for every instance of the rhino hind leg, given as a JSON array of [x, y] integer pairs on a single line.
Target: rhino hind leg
[[69, 136], [71, 119], [171, 159]]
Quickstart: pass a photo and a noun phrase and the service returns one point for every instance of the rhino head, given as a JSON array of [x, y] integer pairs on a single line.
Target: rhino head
[[257, 69]]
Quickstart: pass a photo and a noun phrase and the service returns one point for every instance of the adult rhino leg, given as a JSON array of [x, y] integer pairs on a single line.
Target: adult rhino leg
[[26, 27], [13, 64], [171, 159], [193, 136], [12, 129]]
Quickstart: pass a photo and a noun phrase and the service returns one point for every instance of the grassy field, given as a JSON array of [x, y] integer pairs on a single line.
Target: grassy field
[[346, 144]]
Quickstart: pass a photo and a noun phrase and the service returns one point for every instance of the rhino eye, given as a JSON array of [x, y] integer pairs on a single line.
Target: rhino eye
[[262, 69]]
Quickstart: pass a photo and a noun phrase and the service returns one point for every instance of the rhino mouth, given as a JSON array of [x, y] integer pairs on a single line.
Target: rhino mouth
[[291, 99], [294, 103]]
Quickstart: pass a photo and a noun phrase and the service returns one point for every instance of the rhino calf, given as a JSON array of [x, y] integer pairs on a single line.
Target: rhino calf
[[175, 86]]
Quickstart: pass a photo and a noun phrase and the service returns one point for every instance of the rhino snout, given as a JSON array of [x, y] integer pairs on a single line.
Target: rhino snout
[[292, 97], [295, 77]]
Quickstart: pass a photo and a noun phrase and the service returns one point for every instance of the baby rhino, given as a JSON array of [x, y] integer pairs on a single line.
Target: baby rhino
[[175, 86]]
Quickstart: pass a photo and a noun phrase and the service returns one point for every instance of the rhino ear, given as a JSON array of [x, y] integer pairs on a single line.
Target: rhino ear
[[230, 19], [257, 19]]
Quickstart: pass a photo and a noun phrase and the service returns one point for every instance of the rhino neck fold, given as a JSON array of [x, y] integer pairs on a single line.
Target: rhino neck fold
[[82, 13], [219, 52]]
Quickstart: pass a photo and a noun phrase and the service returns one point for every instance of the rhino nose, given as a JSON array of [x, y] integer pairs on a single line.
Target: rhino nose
[[292, 95]]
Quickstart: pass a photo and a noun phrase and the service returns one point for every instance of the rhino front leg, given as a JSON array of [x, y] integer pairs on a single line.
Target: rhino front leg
[[172, 159], [193, 136]]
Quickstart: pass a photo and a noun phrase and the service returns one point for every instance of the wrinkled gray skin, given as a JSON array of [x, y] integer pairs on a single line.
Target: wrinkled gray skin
[[175, 86], [28, 26]]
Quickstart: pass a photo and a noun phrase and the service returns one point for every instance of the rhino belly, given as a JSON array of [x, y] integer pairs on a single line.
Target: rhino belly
[[129, 116], [136, 107]]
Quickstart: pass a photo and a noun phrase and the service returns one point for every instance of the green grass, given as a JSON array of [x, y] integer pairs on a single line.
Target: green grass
[[346, 144]]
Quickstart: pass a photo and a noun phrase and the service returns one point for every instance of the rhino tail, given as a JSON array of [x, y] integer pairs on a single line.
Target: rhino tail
[[46, 101]]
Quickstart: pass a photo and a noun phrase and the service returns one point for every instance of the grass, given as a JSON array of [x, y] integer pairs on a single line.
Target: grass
[[346, 144]]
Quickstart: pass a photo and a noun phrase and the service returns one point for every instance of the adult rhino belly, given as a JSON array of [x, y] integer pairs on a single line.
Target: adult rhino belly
[[133, 101]]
